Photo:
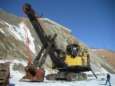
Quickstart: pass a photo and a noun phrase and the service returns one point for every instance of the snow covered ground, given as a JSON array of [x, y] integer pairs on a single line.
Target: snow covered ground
[[15, 79], [16, 76]]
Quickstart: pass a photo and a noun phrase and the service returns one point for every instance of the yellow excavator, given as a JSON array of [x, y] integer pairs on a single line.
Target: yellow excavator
[[69, 62]]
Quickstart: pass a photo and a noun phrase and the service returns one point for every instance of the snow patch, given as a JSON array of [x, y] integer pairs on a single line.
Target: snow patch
[[2, 31], [27, 36], [20, 32]]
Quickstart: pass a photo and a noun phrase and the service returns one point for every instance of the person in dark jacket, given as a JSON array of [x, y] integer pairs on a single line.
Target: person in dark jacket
[[108, 80]]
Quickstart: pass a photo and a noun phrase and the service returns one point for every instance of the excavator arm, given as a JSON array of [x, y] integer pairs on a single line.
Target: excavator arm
[[48, 42]]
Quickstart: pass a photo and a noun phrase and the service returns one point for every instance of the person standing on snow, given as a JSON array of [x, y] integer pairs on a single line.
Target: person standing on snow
[[108, 80]]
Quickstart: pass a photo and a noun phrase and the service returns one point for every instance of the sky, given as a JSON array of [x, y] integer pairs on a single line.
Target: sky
[[91, 21]]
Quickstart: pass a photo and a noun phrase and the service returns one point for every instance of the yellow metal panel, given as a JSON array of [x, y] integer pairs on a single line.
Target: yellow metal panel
[[70, 61]]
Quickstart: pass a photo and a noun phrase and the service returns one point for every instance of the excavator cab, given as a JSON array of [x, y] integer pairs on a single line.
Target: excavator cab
[[75, 59], [72, 49], [72, 56]]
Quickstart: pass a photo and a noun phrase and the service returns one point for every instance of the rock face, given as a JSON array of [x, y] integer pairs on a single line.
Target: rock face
[[17, 32], [11, 37], [107, 56]]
